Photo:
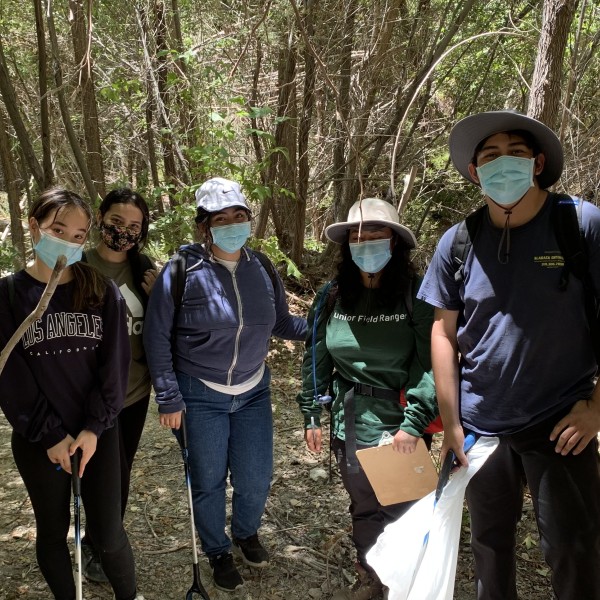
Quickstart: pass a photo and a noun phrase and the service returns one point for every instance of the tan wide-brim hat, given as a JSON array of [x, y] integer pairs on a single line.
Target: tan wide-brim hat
[[371, 211], [468, 133]]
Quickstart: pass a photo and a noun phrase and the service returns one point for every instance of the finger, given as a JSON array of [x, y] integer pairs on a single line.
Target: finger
[[581, 445], [558, 428]]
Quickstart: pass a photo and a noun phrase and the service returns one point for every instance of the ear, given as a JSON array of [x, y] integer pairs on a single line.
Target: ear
[[473, 173], [540, 162], [98, 219]]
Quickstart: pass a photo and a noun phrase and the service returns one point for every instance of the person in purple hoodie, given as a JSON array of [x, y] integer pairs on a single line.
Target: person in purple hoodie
[[206, 346], [62, 389]]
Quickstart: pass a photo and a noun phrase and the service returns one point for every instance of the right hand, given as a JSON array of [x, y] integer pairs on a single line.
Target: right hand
[[170, 420], [313, 436], [59, 453], [454, 439]]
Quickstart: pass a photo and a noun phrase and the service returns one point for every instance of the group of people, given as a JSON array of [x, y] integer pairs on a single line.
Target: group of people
[[497, 338]]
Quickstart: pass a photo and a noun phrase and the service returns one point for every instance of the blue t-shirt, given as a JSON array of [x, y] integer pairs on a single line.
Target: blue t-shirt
[[525, 348]]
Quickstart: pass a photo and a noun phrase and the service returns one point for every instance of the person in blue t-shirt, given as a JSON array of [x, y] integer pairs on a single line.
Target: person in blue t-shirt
[[513, 357]]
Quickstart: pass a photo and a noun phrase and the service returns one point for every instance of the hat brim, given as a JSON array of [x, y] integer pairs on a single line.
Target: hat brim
[[338, 232], [468, 133]]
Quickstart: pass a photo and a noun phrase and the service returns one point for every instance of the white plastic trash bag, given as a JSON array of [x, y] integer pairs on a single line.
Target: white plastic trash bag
[[416, 555]]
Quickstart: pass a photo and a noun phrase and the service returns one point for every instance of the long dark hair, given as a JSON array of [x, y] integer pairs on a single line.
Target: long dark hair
[[128, 196], [394, 282], [90, 285]]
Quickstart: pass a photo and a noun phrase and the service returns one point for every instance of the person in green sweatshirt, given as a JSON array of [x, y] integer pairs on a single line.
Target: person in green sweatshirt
[[368, 343]]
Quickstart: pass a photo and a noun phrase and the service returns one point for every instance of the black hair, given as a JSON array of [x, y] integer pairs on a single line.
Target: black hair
[[128, 196], [90, 285], [394, 282], [528, 139]]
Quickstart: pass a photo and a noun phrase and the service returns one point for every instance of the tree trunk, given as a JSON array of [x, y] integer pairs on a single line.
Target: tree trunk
[[64, 109], [162, 70], [13, 183], [85, 81], [546, 85], [43, 87], [12, 108]]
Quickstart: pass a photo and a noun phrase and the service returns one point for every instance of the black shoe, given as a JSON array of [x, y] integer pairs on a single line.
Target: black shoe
[[91, 565], [251, 551], [225, 574]]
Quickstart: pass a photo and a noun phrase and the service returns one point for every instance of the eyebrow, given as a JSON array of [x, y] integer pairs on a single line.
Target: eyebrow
[[496, 146]]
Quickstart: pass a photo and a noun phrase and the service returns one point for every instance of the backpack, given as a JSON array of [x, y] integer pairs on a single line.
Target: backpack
[[566, 219]]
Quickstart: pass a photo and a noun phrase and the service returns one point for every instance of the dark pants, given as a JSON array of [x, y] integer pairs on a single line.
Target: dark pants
[[566, 497], [50, 494], [369, 518], [131, 424]]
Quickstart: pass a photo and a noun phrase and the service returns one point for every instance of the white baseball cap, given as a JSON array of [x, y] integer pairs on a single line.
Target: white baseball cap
[[218, 193]]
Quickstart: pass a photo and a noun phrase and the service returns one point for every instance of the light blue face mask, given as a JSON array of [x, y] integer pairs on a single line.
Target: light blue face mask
[[506, 179], [49, 248], [230, 238], [371, 256]]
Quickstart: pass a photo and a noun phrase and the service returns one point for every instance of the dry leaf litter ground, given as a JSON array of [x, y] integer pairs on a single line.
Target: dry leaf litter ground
[[306, 526]]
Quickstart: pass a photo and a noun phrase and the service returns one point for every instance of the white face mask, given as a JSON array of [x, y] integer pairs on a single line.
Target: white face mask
[[49, 248], [506, 179]]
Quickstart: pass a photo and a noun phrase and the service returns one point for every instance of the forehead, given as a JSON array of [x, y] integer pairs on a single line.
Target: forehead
[[125, 211], [73, 217], [503, 139]]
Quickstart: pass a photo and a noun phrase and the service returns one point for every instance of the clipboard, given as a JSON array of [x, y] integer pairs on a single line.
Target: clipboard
[[397, 477]]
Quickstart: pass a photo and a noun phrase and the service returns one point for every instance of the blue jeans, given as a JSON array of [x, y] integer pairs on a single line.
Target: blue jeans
[[228, 434]]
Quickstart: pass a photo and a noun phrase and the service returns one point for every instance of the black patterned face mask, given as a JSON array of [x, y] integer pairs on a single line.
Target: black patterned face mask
[[118, 238]]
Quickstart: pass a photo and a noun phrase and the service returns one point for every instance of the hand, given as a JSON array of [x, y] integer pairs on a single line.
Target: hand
[[454, 439], [59, 454], [87, 441], [313, 437], [405, 443], [170, 420], [149, 279], [575, 430]]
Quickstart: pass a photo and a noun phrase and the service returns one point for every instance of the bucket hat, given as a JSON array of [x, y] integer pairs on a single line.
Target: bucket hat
[[374, 212], [470, 131], [218, 193]]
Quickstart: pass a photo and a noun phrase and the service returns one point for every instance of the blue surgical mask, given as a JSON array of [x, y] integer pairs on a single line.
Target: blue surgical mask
[[230, 238], [506, 179], [49, 248], [371, 256]]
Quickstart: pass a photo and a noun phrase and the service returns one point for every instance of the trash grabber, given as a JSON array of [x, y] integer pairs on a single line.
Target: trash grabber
[[76, 481], [197, 587]]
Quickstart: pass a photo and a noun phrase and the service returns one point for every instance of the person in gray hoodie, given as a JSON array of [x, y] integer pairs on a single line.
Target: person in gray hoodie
[[206, 342]]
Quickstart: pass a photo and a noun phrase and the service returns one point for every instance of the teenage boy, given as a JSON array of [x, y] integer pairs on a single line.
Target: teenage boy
[[512, 356]]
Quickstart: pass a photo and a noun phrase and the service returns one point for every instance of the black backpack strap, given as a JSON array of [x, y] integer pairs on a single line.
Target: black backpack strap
[[408, 299], [177, 269], [145, 262], [566, 219], [10, 283], [463, 241], [267, 266]]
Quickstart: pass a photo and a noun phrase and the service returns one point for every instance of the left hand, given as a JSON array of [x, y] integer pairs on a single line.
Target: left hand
[[149, 279], [405, 443], [87, 441], [575, 430]]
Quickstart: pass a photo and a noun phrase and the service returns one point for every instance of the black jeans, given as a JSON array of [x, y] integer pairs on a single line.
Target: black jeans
[[566, 497], [50, 493], [369, 518]]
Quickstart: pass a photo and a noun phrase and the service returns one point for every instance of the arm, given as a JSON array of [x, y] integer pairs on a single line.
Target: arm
[[323, 371], [25, 406], [113, 357], [158, 326], [287, 326], [444, 357]]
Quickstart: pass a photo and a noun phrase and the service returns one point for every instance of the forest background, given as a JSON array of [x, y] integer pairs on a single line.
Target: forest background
[[309, 104]]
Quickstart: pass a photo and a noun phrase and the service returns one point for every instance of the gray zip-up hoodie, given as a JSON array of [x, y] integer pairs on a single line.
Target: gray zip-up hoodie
[[224, 324]]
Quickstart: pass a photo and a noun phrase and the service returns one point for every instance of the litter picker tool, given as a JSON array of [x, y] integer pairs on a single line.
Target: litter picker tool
[[76, 481], [197, 587]]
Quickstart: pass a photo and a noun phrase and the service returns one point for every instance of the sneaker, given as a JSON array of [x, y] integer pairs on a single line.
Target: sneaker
[[91, 565], [225, 574], [251, 551]]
